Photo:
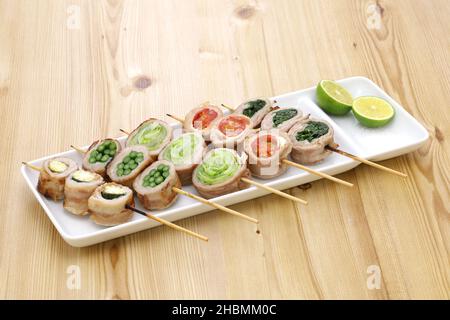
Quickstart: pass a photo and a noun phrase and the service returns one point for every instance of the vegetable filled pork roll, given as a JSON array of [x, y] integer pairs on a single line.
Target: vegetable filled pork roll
[[220, 173], [185, 152], [154, 186], [52, 177], [100, 154], [309, 138], [127, 165], [231, 130], [202, 119], [153, 134], [282, 119], [80, 185], [266, 151], [107, 204], [255, 109]]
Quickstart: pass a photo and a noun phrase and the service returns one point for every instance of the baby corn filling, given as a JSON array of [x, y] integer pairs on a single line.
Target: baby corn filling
[[129, 163], [83, 176], [113, 192], [57, 166]]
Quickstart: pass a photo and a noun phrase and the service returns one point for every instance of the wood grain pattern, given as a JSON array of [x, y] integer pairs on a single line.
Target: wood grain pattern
[[130, 60]]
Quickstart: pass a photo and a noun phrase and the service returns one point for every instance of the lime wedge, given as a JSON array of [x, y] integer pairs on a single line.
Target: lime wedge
[[372, 112], [333, 98]]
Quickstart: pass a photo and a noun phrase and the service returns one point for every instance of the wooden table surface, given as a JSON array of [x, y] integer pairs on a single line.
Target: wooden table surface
[[72, 71]]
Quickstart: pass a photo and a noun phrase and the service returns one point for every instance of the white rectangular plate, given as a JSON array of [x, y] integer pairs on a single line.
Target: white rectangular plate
[[402, 135]]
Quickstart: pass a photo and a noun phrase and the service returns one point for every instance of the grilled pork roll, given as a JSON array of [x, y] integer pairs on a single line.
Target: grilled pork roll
[[202, 119], [154, 186], [266, 151], [107, 204], [127, 165], [153, 134], [255, 109], [309, 138], [52, 177], [282, 119], [185, 152], [220, 173], [100, 154], [231, 130], [80, 185]]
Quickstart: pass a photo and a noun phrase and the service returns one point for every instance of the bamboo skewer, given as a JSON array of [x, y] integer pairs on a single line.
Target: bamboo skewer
[[173, 117], [167, 223], [368, 162], [213, 204], [148, 215], [127, 133], [77, 149], [317, 173], [31, 166], [259, 185], [277, 192], [227, 107]]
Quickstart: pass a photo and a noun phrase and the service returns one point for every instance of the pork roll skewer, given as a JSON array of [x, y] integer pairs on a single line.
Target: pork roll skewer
[[231, 130], [154, 186], [185, 152], [224, 171], [153, 134], [313, 141], [108, 202], [128, 164], [99, 155], [255, 109], [52, 176], [266, 151], [309, 138], [282, 119], [158, 186], [112, 204], [202, 119], [80, 185]]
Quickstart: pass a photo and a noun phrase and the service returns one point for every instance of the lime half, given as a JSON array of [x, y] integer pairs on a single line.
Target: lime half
[[372, 112], [333, 98]]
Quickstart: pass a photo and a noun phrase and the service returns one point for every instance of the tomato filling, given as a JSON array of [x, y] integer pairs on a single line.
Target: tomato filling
[[203, 118], [232, 126], [265, 146]]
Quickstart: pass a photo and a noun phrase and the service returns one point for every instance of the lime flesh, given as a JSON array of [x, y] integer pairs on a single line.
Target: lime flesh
[[333, 98], [372, 112]]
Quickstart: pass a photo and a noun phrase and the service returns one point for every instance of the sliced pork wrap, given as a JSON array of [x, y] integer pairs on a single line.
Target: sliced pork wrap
[[185, 152], [255, 109], [52, 177], [153, 134], [202, 119], [80, 185], [100, 154], [154, 186], [107, 204], [231, 130], [266, 151], [282, 119], [220, 173], [309, 138], [128, 164]]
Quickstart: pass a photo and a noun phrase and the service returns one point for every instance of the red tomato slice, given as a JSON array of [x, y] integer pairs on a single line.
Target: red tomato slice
[[265, 146], [203, 118], [233, 125]]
